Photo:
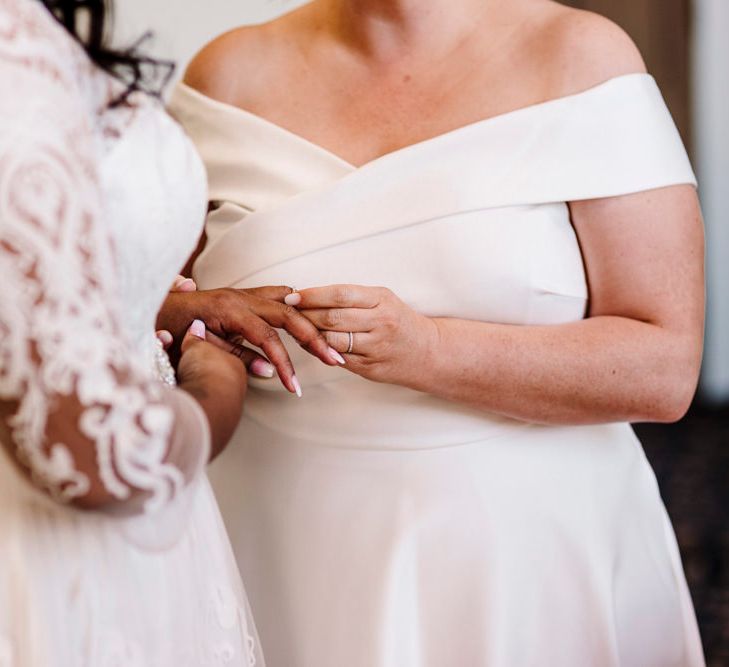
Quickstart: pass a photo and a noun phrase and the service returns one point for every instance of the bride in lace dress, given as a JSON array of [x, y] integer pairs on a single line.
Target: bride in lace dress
[[101, 202]]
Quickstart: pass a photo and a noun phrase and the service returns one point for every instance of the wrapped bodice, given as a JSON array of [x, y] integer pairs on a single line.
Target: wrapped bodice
[[472, 224]]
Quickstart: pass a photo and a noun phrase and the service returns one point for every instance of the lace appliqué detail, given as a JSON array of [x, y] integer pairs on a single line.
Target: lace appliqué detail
[[229, 615], [59, 332]]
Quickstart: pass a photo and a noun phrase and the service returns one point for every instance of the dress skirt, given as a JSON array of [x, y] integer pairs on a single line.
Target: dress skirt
[[540, 546], [79, 589]]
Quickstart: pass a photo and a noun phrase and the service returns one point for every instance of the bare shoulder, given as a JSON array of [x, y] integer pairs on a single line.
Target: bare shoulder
[[587, 49], [216, 71], [240, 62]]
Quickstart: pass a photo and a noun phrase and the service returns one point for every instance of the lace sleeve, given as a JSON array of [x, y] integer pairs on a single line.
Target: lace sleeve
[[88, 424]]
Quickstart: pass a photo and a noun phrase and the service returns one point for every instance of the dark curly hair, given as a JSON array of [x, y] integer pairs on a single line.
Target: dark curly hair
[[88, 21]]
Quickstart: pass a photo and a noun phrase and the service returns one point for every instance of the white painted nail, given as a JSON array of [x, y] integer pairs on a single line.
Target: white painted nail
[[336, 356], [262, 368], [297, 386], [187, 285], [165, 337], [197, 328]]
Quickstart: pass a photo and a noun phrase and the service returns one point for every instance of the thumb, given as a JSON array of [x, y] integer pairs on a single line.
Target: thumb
[[194, 335]]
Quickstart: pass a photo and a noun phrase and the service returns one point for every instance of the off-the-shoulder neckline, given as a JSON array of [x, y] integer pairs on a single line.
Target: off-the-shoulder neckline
[[531, 108]]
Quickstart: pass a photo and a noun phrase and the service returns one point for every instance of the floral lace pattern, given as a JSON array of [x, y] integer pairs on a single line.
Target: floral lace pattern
[[60, 348], [91, 235]]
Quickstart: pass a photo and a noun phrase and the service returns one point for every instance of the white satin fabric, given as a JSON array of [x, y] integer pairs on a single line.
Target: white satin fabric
[[376, 526]]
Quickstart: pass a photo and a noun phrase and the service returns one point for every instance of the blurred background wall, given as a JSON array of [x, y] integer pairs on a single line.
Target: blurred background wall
[[686, 47]]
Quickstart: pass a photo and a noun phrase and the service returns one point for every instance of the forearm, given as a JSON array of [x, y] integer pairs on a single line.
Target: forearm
[[222, 409], [98, 461], [603, 369]]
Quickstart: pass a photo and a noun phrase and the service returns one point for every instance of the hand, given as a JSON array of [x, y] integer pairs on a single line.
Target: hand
[[253, 361], [249, 316], [390, 341], [181, 284], [216, 379]]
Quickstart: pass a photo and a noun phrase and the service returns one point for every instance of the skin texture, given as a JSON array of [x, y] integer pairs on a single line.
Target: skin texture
[[372, 76]]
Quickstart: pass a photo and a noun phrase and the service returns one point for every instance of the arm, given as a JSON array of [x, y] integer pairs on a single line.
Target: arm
[[87, 423], [635, 358], [637, 355]]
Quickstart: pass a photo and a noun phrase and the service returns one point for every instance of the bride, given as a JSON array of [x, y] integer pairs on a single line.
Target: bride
[[495, 223], [102, 199]]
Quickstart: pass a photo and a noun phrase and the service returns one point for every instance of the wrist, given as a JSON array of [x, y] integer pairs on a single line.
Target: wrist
[[179, 310], [173, 315], [223, 409], [426, 366]]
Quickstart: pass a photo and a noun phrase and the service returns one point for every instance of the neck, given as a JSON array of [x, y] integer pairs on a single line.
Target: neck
[[390, 29]]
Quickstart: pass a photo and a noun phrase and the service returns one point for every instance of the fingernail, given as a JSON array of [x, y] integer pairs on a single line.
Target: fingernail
[[262, 368], [336, 356], [197, 328], [187, 285], [297, 386], [165, 337], [293, 299]]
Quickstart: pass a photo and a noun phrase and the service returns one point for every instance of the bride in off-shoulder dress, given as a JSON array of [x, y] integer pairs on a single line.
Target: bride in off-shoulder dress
[[483, 502]]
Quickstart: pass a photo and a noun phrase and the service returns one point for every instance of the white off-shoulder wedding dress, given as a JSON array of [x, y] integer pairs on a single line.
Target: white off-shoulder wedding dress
[[376, 526], [99, 207]]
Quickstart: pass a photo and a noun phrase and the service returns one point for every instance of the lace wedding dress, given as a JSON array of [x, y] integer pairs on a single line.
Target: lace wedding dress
[[99, 207]]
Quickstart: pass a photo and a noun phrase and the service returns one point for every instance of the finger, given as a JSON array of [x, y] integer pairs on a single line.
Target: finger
[[165, 337], [271, 292], [183, 284], [340, 341], [195, 334], [336, 296], [297, 325], [341, 319], [254, 362], [267, 338]]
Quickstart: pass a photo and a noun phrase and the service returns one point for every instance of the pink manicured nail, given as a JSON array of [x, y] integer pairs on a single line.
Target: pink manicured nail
[[187, 285], [293, 299], [197, 328], [336, 356], [262, 368], [297, 386], [165, 337]]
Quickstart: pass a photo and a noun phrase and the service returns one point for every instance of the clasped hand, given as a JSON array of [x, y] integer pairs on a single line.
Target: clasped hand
[[236, 318], [369, 330], [382, 339]]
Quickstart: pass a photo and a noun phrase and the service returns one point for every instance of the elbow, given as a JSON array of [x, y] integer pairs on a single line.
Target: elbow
[[673, 408], [674, 391]]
